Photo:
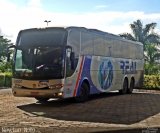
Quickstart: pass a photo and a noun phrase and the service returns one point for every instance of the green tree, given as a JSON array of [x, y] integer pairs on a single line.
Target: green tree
[[4, 43], [151, 64], [150, 40], [152, 53], [144, 34]]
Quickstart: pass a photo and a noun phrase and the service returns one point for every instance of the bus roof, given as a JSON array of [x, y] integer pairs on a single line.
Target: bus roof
[[96, 31], [110, 35]]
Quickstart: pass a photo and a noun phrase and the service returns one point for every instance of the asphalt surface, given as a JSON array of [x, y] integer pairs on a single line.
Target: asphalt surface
[[114, 113]]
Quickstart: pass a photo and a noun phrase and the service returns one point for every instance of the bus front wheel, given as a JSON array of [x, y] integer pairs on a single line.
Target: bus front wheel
[[84, 93]]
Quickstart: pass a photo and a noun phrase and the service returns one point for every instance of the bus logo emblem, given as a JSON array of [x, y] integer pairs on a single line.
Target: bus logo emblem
[[105, 74]]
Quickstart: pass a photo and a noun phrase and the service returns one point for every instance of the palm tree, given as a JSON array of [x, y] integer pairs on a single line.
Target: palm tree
[[152, 53], [144, 34], [152, 59], [150, 40]]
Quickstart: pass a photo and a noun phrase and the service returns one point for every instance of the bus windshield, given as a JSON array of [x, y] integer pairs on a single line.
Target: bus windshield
[[39, 54], [39, 63]]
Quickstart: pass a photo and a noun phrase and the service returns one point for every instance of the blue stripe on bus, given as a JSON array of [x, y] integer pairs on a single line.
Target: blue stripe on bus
[[86, 74]]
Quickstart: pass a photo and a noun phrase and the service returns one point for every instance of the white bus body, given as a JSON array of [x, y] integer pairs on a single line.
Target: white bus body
[[92, 62]]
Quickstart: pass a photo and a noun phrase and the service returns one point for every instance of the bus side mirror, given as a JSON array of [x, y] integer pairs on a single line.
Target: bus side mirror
[[72, 58], [8, 57], [9, 52]]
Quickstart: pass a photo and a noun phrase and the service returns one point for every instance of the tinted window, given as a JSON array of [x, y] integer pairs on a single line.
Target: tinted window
[[74, 42], [47, 37]]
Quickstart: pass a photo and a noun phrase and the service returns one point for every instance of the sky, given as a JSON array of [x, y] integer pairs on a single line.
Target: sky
[[112, 16]]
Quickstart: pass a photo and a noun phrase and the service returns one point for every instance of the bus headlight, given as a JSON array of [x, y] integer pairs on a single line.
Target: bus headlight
[[60, 94]]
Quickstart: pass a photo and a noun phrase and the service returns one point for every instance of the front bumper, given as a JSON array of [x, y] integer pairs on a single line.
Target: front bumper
[[42, 93]]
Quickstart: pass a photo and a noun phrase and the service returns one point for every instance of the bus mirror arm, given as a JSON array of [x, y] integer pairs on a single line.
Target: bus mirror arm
[[72, 58]]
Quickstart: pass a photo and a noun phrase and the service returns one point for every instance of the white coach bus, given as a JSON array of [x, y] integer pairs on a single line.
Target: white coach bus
[[74, 62]]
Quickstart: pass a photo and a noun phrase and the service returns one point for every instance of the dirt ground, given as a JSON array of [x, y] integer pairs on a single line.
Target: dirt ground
[[138, 112]]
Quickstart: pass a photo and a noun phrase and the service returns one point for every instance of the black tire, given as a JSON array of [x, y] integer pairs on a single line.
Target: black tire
[[125, 87], [131, 87], [84, 93], [41, 100]]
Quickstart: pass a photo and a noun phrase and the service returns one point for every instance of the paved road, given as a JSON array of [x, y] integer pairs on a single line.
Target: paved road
[[138, 112]]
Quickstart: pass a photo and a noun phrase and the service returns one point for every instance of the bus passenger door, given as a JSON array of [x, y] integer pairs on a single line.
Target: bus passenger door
[[69, 72], [70, 62]]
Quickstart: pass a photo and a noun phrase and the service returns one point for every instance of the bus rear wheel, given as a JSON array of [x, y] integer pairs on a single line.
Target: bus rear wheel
[[41, 100], [125, 87], [84, 93], [130, 89]]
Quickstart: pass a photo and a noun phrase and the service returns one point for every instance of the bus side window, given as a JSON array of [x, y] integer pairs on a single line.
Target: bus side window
[[74, 42]]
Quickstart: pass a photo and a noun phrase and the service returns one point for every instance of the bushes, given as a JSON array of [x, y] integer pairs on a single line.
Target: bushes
[[5, 79], [5, 67], [152, 81], [151, 69], [152, 77]]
